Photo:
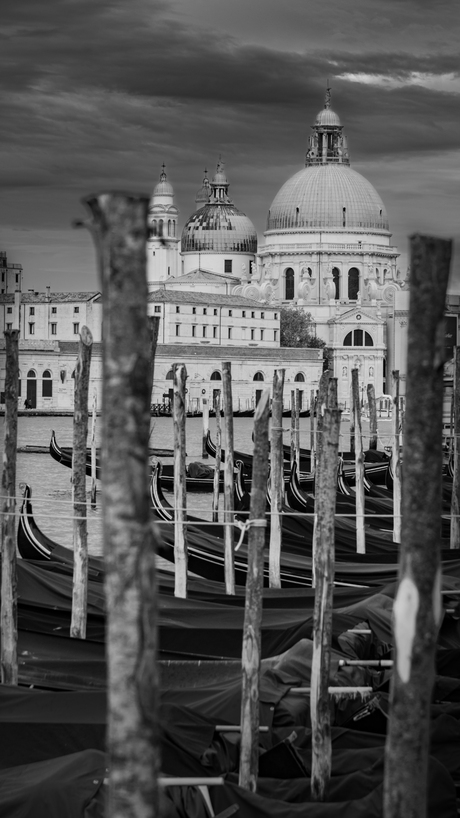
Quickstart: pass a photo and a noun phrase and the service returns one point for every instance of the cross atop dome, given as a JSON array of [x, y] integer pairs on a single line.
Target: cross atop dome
[[327, 144]]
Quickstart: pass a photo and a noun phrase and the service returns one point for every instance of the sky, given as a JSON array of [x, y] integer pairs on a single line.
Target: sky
[[97, 95]]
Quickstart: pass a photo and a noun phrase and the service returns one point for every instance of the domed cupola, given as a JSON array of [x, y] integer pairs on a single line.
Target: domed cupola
[[204, 193], [163, 188], [327, 143], [218, 226], [327, 194]]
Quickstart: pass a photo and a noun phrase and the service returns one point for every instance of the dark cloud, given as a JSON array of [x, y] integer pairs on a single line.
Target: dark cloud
[[97, 95]]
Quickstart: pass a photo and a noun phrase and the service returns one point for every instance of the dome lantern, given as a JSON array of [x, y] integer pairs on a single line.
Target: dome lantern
[[327, 143]]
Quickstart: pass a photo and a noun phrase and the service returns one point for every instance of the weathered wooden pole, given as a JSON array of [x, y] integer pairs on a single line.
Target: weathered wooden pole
[[417, 608], [215, 493], [120, 230], [205, 405], [292, 438], [352, 418], [9, 602], [93, 450], [80, 530], [373, 432], [180, 489], [455, 437], [359, 464], [396, 460], [320, 406], [253, 602], [277, 479], [229, 480], [297, 427], [325, 497]]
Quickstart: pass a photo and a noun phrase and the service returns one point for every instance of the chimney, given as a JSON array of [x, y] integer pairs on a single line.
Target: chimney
[[17, 310], [48, 293]]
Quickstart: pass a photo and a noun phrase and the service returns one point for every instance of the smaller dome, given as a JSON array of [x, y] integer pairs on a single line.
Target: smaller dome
[[328, 117], [219, 228], [163, 187]]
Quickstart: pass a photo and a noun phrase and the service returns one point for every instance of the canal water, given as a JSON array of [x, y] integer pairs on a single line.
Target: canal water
[[50, 482]]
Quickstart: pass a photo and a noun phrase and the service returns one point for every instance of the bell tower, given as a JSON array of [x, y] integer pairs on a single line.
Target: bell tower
[[163, 240]]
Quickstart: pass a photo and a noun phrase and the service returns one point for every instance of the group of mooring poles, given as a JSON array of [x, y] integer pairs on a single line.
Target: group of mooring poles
[[119, 226]]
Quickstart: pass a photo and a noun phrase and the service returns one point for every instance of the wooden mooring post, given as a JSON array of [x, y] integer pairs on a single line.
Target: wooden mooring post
[[455, 444], [293, 430], [120, 231], [215, 493], [297, 427], [80, 528], [373, 429], [180, 489], [417, 611], [93, 450], [277, 479], [229, 480], [396, 460], [320, 406], [205, 405], [359, 464], [9, 602], [253, 603], [325, 498]]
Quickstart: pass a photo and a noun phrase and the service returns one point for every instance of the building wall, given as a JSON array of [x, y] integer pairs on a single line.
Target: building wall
[[217, 325]]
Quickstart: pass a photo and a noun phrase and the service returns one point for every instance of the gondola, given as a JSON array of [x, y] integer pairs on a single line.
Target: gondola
[[33, 544], [63, 455]]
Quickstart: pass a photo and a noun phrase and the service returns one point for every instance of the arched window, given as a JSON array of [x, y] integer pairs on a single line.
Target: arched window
[[160, 227], [216, 376], [169, 227], [289, 284], [336, 280], [170, 375], [358, 338], [353, 283], [47, 384], [31, 374], [258, 376], [300, 377], [174, 227]]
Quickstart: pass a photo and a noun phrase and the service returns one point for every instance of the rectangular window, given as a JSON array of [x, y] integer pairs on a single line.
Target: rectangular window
[[230, 313], [31, 328], [193, 310], [54, 310], [9, 309], [215, 312], [275, 334], [157, 308], [31, 310], [76, 329], [275, 316], [53, 329], [204, 332], [3, 276], [193, 332], [227, 265], [214, 332], [17, 278], [261, 335], [252, 334], [177, 329], [9, 326], [76, 309], [177, 309], [205, 311], [243, 314], [253, 315], [262, 315], [229, 332]]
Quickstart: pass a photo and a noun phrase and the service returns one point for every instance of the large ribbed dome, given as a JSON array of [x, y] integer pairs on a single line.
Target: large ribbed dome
[[219, 228], [327, 196]]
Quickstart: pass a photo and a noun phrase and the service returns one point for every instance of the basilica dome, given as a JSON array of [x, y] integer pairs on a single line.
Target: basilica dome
[[327, 196], [219, 228]]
